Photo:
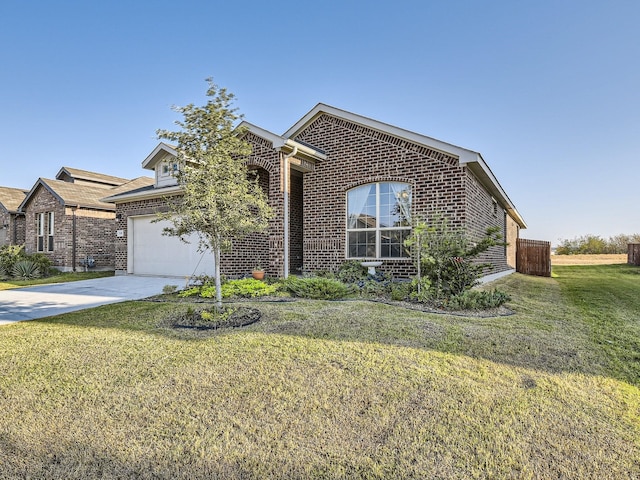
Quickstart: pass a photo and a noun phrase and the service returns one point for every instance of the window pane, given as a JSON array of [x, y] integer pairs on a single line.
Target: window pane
[[395, 204], [362, 244], [361, 207], [392, 243]]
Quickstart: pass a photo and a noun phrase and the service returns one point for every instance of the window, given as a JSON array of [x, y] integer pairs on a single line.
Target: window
[[378, 220], [169, 168], [40, 231], [50, 230]]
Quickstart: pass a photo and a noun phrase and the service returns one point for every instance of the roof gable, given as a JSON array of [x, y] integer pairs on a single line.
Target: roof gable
[[75, 175], [81, 195], [160, 153], [467, 158], [11, 198]]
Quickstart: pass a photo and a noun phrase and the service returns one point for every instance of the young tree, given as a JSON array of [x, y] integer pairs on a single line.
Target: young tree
[[446, 257], [219, 201]]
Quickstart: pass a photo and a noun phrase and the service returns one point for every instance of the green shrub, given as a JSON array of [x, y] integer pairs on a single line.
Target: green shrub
[[9, 255], [43, 263], [317, 288], [447, 255], [190, 292], [351, 271], [422, 294], [477, 300], [248, 288], [169, 289], [25, 270], [400, 291]]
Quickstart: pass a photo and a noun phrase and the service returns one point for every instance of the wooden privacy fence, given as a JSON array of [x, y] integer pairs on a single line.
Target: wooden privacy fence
[[633, 257], [533, 257]]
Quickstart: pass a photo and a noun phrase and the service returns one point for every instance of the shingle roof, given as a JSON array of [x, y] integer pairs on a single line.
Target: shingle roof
[[82, 195], [91, 176], [11, 198]]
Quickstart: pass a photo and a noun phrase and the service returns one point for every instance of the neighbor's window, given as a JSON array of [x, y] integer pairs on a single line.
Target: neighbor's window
[[50, 231], [40, 231], [378, 220]]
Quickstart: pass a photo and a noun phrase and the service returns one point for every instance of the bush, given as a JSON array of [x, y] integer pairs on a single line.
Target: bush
[[317, 288], [25, 270], [423, 293], [9, 255], [351, 271], [43, 263], [446, 256], [248, 288], [477, 300], [400, 291]]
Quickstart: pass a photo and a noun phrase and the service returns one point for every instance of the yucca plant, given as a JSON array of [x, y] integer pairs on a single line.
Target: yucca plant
[[25, 270]]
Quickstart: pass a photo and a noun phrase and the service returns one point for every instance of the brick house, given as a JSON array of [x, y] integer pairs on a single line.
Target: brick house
[[11, 219], [342, 186], [66, 220]]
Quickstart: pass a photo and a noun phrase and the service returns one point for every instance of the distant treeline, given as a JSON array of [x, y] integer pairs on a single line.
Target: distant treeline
[[595, 244]]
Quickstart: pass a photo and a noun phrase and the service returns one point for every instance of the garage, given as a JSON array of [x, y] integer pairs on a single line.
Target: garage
[[152, 253]]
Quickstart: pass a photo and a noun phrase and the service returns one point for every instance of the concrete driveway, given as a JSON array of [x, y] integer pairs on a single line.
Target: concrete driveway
[[47, 300]]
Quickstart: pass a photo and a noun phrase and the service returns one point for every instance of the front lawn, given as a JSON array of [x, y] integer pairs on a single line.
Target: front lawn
[[55, 278], [320, 389]]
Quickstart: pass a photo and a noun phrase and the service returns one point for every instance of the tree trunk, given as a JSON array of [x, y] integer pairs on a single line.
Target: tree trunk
[[216, 257]]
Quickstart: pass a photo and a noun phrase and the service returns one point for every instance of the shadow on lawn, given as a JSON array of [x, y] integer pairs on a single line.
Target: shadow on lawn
[[542, 335]]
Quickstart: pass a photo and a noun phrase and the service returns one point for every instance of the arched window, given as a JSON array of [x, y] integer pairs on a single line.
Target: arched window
[[378, 220]]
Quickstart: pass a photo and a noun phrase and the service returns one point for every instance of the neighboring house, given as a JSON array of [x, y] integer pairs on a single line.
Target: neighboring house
[[342, 187], [66, 220], [12, 223]]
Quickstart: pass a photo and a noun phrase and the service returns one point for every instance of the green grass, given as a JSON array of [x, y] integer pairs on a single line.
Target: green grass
[[56, 278], [321, 389], [608, 301]]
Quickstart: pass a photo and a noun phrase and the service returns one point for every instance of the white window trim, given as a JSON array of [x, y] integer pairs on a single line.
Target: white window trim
[[40, 232], [377, 229], [50, 230]]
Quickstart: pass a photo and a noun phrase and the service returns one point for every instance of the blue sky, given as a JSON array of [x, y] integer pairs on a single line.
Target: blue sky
[[547, 91]]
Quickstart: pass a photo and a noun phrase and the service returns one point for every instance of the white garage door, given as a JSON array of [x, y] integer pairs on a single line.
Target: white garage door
[[151, 253]]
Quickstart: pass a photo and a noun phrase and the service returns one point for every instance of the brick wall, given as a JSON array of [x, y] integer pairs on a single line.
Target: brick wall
[[18, 228], [5, 233], [357, 155], [94, 233], [513, 233], [123, 212], [483, 212], [264, 249]]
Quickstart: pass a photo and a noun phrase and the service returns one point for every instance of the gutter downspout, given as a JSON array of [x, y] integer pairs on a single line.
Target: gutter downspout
[[286, 209], [73, 239]]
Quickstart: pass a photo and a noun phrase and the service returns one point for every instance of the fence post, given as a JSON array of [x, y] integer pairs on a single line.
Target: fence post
[[633, 256]]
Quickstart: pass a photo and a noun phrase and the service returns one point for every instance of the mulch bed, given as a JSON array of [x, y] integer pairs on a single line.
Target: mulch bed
[[229, 317]]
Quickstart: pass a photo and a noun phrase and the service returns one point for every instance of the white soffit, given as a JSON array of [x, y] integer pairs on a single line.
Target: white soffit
[[158, 153]]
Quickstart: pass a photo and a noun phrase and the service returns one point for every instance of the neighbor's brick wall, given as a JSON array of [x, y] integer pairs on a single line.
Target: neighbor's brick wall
[[357, 155], [6, 219], [94, 238], [18, 228], [94, 233]]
